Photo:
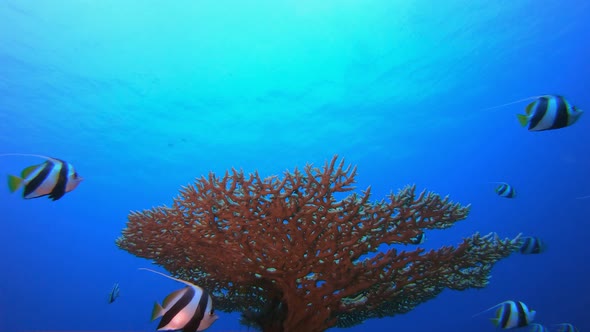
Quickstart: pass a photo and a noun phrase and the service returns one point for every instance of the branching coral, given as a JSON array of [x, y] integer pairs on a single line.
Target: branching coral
[[299, 253]]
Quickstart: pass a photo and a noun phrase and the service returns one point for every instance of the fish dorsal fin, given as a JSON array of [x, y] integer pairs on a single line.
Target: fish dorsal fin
[[494, 307], [173, 296], [30, 170], [512, 103], [27, 155], [169, 277]]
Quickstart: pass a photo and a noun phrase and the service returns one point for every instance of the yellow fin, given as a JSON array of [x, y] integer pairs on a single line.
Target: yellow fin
[[522, 119], [157, 311], [14, 182], [29, 170], [495, 321]]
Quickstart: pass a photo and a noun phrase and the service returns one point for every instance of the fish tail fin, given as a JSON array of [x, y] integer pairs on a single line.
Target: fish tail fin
[[167, 276], [14, 183], [495, 321], [157, 312], [522, 119]]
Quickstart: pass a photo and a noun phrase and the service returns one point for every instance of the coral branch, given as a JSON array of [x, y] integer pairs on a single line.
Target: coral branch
[[291, 253]]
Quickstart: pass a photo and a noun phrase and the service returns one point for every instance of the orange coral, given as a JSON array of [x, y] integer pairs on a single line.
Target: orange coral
[[291, 253]]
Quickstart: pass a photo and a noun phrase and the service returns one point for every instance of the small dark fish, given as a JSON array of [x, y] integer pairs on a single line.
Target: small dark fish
[[189, 309], [114, 294], [531, 245], [505, 190], [418, 239], [566, 327], [549, 112], [54, 178], [511, 314]]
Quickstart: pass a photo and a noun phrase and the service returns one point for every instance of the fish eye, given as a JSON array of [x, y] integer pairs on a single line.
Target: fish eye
[[75, 175]]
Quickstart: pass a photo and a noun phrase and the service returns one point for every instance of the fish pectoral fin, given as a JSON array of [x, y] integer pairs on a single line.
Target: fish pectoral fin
[[14, 182], [522, 119], [158, 311]]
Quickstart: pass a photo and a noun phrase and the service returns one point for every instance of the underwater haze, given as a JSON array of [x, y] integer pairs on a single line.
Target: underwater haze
[[145, 96]]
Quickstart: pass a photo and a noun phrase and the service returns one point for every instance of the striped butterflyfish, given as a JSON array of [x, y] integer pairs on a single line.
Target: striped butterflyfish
[[418, 239], [531, 245], [189, 309], [114, 293], [511, 314], [505, 190], [549, 112], [53, 178], [538, 328], [566, 327]]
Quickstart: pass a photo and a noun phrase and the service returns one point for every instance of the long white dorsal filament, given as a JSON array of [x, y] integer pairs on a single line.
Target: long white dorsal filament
[[511, 103], [25, 155], [490, 308], [167, 276]]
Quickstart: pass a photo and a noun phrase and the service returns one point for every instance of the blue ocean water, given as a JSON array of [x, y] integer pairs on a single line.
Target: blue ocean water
[[144, 96]]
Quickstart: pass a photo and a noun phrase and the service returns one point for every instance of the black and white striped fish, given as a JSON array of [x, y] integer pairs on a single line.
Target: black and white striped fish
[[505, 190], [566, 327], [511, 314], [549, 112], [538, 328], [189, 309], [114, 293], [54, 178], [531, 245], [418, 239]]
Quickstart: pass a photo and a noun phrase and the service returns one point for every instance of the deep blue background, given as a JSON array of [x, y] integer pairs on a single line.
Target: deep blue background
[[144, 96]]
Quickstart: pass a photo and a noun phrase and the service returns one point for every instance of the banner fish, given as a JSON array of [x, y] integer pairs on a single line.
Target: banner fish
[[531, 245], [538, 328], [566, 327], [511, 314], [418, 239], [114, 294], [505, 190], [53, 178], [549, 112], [189, 309]]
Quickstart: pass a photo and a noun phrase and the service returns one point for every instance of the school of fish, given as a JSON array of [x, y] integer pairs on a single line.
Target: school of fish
[[190, 309]]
